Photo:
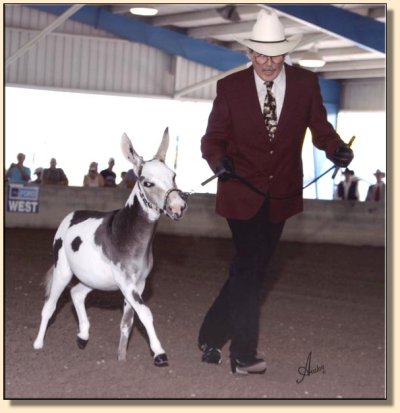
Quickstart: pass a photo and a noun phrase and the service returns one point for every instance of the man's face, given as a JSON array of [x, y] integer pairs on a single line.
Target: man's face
[[267, 67]]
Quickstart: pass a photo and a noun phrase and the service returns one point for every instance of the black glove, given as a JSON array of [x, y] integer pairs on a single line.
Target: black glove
[[225, 168], [343, 156]]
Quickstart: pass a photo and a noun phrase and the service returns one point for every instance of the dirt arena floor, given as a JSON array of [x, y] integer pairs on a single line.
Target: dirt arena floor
[[325, 304]]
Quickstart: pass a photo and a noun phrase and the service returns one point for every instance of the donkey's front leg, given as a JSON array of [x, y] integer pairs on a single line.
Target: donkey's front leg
[[146, 317], [126, 328]]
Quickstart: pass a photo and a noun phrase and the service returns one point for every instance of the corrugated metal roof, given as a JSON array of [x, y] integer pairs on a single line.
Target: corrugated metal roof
[[77, 56], [74, 57]]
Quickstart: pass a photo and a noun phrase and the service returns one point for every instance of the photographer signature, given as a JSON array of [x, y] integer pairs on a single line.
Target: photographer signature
[[308, 371]]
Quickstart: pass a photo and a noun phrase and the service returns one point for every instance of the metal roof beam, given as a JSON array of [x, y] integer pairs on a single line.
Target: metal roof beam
[[194, 18], [168, 41], [364, 31], [206, 82], [361, 74], [341, 53], [240, 29], [353, 65], [376, 11]]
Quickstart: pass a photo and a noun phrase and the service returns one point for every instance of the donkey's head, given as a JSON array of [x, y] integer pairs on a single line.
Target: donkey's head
[[156, 182]]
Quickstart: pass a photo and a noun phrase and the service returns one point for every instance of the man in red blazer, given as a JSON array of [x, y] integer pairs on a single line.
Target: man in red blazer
[[259, 134]]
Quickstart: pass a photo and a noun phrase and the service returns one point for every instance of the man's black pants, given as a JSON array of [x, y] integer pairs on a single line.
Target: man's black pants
[[235, 312]]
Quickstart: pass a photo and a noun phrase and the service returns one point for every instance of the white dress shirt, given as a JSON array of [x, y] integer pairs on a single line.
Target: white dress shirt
[[278, 90]]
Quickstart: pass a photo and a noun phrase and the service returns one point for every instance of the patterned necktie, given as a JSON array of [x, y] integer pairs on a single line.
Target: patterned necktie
[[269, 112]]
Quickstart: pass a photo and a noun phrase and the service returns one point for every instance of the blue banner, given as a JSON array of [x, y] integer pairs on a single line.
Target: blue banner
[[23, 199]]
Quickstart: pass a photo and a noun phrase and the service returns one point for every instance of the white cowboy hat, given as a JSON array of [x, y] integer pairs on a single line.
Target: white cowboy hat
[[268, 36]]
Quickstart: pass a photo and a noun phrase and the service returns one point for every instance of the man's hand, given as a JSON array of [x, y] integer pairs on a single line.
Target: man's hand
[[343, 156], [225, 168]]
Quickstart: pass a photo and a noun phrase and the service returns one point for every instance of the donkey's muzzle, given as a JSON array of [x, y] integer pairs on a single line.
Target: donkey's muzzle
[[175, 203]]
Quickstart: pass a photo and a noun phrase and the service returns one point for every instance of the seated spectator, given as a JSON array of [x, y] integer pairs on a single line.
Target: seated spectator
[[128, 179], [131, 178], [108, 174], [38, 172], [124, 180], [93, 178], [348, 189], [18, 173], [53, 175], [376, 192]]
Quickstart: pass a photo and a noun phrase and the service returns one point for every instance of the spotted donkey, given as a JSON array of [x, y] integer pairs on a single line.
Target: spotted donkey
[[113, 250]]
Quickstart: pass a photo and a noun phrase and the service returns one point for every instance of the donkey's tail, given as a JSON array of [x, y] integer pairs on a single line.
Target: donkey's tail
[[48, 281]]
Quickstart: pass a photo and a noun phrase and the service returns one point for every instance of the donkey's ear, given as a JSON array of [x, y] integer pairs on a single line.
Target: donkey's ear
[[162, 150], [130, 153]]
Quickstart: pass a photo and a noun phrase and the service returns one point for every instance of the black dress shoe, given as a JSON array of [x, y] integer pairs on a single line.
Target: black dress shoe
[[210, 355], [254, 366]]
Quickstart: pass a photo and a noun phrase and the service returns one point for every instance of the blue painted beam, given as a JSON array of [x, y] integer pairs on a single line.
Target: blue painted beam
[[365, 31], [330, 91], [199, 51]]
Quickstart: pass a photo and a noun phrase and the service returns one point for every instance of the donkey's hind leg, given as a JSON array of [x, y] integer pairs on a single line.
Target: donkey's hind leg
[[126, 328], [56, 280], [78, 294]]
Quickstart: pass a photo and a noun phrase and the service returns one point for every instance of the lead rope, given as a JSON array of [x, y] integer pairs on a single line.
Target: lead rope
[[265, 194]]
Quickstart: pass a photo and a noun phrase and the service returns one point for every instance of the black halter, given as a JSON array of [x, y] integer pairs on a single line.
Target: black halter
[[183, 195], [148, 204]]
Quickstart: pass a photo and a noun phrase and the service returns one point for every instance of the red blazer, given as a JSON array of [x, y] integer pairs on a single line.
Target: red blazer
[[236, 129]]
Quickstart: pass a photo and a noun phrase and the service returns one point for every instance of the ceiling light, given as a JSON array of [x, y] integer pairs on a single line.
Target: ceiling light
[[312, 59], [144, 11]]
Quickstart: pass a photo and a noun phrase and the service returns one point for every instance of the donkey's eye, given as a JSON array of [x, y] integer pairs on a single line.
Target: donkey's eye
[[148, 184]]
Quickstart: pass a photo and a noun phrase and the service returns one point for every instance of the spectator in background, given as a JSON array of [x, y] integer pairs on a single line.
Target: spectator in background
[[108, 175], [131, 178], [18, 173], [54, 175], [93, 178], [348, 189], [124, 180], [376, 192], [128, 179], [38, 172]]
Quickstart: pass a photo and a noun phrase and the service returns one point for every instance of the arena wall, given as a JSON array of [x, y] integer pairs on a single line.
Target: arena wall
[[339, 222]]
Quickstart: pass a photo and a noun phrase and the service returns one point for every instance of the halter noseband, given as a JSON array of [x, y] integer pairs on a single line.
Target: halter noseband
[[183, 195]]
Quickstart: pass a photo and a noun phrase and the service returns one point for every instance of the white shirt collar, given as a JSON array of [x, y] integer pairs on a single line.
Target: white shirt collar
[[279, 81], [278, 89]]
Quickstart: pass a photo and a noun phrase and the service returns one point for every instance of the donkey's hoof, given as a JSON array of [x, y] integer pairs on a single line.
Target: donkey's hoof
[[81, 342], [161, 360], [38, 345]]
